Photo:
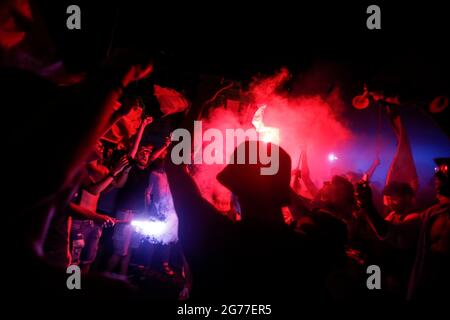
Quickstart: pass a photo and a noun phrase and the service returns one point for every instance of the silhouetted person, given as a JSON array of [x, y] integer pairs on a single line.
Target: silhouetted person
[[58, 126], [429, 277], [330, 223], [397, 260], [258, 258]]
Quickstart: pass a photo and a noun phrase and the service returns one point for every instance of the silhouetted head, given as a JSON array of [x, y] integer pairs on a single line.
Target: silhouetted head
[[338, 196], [353, 177], [259, 175], [398, 196], [441, 175]]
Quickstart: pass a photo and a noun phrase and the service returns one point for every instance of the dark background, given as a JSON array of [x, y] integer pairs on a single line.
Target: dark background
[[326, 43], [238, 39]]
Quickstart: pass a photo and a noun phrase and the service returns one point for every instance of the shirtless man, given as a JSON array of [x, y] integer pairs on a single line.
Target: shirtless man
[[430, 275]]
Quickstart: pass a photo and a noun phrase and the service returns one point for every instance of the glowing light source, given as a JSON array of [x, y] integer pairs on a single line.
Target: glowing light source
[[266, 134], [150, 228], [332, 157]]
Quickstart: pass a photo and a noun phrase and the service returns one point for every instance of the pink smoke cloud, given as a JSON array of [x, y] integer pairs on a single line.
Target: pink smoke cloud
[[309, 122]]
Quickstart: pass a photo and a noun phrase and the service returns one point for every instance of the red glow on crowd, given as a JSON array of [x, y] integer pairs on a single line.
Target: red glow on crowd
[[310, 119]]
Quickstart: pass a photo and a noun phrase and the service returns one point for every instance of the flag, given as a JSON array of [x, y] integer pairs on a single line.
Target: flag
[[402, 168], [170, 101]]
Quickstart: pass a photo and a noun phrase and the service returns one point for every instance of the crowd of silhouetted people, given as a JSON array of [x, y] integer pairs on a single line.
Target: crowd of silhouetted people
[[272, 243]]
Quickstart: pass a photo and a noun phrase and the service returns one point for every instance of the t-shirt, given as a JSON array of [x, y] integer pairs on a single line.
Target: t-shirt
[[132, 195], [162, 202], [161, 196]]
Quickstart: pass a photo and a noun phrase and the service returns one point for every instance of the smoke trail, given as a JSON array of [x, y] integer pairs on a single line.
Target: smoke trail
[[304, 121]]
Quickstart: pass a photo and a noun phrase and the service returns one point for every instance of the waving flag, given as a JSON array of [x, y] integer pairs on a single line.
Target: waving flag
[[402, 167], [170, 101]]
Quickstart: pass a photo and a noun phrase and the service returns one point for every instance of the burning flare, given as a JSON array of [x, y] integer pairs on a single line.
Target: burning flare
[[266, 134]]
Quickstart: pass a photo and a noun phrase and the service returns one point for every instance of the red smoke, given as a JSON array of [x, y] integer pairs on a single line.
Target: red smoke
[[304, 122]]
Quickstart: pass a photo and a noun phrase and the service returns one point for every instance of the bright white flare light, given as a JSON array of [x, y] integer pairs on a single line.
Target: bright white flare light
[[269, 134], [266, 134], [150, 228], [332, 157]]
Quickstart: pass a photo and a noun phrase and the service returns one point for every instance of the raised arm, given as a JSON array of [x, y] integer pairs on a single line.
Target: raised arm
[[139, 135], [365, 204], [155, 155], [122, 179], [299, 205], [90, 105], [190, 205], [199, 221], [401, 234], [105, 182], [373, 167], [94, 100]]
